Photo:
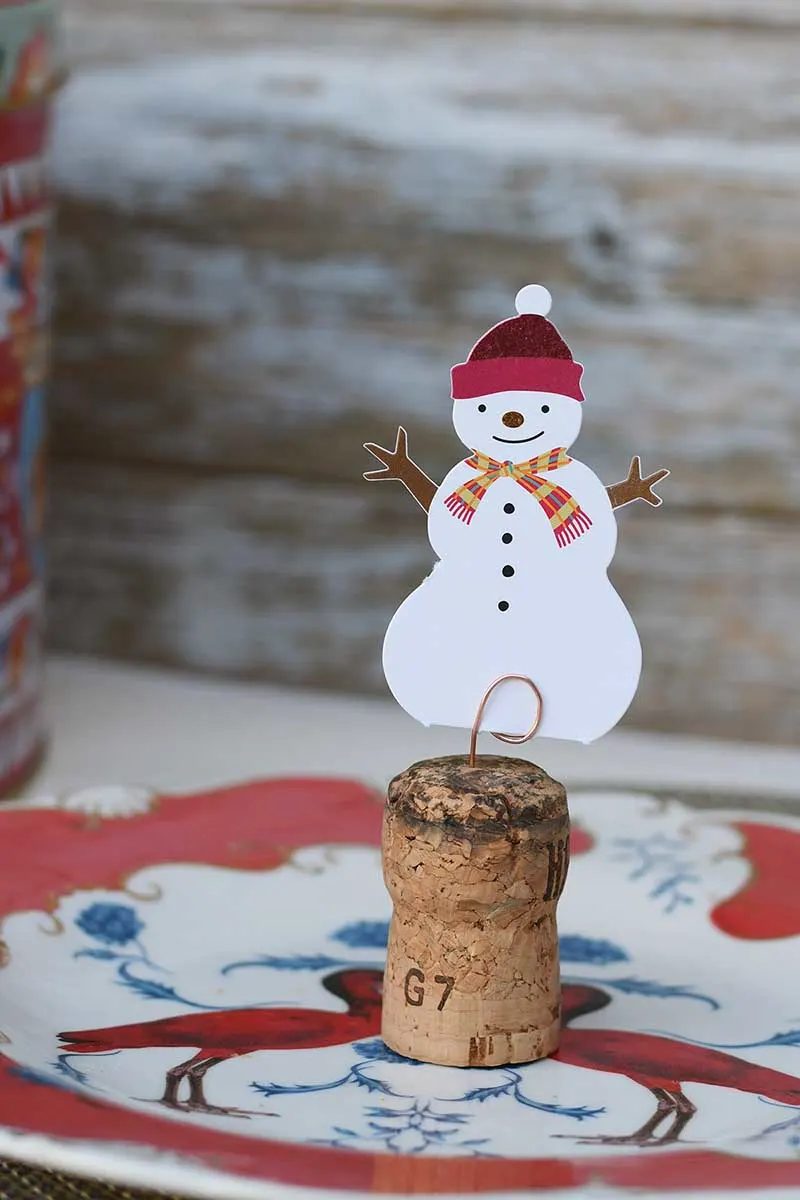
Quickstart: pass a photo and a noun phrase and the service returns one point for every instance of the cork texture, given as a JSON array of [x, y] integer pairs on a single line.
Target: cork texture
[[475, 860]]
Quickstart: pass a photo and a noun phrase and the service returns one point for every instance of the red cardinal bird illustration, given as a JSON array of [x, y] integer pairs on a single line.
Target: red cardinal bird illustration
[[230, 1033], [661, 1064]]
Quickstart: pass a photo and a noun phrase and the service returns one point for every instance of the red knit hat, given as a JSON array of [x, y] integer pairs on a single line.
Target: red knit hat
[[524, 354]]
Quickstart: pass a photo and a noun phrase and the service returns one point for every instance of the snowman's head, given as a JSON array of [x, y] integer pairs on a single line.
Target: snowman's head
[[517, 425], [518, 395]]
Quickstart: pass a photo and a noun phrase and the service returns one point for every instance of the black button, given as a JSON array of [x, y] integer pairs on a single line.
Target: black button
[[503, 605], [507, 537], [509, 508], [508, 572]]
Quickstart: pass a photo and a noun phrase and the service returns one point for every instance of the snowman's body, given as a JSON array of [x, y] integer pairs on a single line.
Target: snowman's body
[[565, 627]]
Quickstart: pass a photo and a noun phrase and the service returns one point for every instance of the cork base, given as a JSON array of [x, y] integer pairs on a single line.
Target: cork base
[[441, 1047], [475, 860]]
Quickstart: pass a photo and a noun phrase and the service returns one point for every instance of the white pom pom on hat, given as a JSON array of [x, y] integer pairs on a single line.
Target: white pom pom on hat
[[534, 299]]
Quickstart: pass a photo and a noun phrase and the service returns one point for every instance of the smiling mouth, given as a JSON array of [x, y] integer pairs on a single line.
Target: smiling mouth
[[518, 441]]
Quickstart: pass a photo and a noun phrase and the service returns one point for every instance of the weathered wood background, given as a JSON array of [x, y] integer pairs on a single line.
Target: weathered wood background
[[280, 225]]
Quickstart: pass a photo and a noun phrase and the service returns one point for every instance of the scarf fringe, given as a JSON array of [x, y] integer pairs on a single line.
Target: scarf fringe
[[459, 508], [576, 524]]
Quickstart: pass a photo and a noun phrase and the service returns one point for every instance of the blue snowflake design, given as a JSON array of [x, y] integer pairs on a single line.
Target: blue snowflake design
[[791, 1037], [411, 1130], [659, 859], [512, 1086], [71, 1072], [790, 1127], [631, 986], [369, 1052], [419, 1125]]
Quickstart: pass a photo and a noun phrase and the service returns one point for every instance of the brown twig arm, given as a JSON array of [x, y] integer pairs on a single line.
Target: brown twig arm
[[636, 488], [397, 465]]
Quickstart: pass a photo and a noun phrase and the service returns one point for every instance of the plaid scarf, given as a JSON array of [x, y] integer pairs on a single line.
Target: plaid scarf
[[567, 519]]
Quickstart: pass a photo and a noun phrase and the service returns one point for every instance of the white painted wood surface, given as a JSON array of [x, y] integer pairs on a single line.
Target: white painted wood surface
[[280, 226], [169, 730], [244, 266]]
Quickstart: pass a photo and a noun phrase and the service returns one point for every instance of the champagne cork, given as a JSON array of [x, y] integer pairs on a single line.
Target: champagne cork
[[475, 860]]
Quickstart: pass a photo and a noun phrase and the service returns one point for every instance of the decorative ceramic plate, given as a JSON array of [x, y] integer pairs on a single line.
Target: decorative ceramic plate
[[189, 1000]]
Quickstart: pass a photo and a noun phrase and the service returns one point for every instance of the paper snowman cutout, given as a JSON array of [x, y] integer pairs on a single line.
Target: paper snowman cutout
[[524, 535]]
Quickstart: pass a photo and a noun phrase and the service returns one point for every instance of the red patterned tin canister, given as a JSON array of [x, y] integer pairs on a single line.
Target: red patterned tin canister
[[28, 77]]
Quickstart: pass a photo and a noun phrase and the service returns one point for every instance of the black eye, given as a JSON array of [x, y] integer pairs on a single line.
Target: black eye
[[545, 408], [481, 408]]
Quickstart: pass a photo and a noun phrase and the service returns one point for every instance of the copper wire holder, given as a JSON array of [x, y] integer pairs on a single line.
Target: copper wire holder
[[514, 739]]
